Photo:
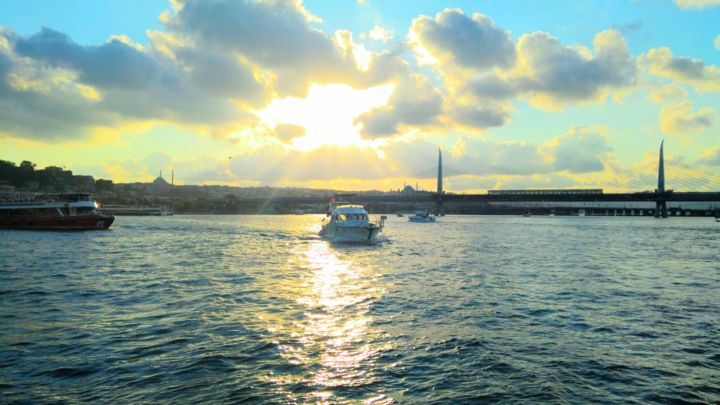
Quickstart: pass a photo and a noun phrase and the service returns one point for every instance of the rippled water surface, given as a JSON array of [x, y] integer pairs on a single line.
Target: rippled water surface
[[256, 308]]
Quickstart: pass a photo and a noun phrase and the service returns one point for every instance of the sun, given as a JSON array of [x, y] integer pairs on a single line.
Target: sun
[[327, 114]]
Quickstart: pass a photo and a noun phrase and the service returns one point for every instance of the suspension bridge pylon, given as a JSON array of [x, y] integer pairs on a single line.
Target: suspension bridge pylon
[[660, 203], [439, 206]]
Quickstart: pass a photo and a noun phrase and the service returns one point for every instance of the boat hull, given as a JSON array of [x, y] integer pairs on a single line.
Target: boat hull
[[351, 234], [421, 219], [66, 223]]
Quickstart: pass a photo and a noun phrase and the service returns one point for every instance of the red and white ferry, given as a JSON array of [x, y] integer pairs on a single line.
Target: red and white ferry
[[67, 211]]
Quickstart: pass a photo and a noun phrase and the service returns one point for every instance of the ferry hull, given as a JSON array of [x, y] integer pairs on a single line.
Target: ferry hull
[[67, 223]]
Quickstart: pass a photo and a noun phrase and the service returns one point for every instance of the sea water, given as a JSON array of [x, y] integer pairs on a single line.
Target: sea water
[[226, 309]]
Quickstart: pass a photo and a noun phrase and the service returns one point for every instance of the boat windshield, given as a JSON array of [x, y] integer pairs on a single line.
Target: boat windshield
[[351, 217]]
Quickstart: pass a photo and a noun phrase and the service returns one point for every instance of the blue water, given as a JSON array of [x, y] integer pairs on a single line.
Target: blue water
[[226, 309]]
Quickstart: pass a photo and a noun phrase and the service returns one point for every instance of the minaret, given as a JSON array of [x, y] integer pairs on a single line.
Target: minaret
[[172, 177], [160, 174]]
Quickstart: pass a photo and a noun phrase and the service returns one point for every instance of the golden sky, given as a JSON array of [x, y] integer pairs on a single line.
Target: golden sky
[[359, 95]]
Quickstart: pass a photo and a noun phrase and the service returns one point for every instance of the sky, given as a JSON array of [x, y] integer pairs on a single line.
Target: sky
[[359, 95]]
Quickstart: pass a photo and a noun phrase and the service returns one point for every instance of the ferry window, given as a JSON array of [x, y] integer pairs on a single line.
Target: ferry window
[[341, 217]]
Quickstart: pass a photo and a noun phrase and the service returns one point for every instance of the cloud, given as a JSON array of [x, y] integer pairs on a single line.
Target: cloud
[[479, 116], [580, 150], [661, 62], [485, 157], [710, 158], [697, 4], [669, 92], [630, 27], [221, 75], [717, 42], [490, 87], [114, 64], [274, 163], [679, 119], [288, 132], [414, 102], [275, 35], [379, 33], [453, 37], [56, 89], [553, 73], [43, 102], [483, 68]]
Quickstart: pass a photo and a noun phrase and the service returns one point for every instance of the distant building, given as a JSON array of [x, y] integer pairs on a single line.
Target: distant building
[[408, 190]]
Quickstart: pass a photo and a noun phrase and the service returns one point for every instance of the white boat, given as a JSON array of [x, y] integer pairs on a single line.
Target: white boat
[[422, 216], [350, 223]]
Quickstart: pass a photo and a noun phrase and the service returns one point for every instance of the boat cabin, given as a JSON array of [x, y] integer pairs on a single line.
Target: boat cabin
[[349, 213]]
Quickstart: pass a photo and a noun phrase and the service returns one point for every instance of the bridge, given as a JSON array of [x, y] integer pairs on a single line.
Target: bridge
[[687, 184]]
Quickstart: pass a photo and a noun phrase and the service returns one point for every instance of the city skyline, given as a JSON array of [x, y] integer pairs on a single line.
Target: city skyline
[[358, 95]]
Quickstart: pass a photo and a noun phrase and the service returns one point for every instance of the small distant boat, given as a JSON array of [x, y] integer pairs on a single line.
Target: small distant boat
[[527, 214], [61, 212], [399, 214], [350, 224], [421, 216]]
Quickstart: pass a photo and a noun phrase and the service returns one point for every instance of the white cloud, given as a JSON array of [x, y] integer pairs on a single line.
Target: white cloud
[[680, 119], [580, 150], [380, 33], [697, 4]]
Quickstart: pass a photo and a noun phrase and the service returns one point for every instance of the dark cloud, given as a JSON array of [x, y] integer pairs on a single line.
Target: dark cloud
[[45, 100], [44, 115], [275, 35], [490, 87], [480, 116], [565, 74], [475, 42], [36, 115], [414, 102], [221, 74], [114, 64], [662, 62]]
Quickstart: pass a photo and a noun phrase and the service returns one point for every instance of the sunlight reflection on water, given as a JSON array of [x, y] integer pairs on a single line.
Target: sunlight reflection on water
[[331, 338]]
